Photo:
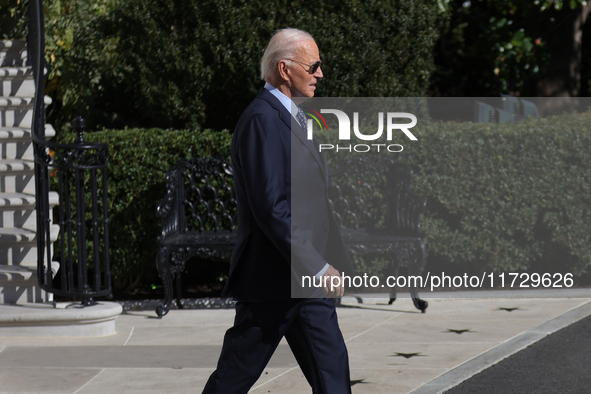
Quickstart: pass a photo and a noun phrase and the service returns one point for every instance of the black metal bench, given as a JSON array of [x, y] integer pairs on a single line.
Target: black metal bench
[[199, 216], [379, 215]]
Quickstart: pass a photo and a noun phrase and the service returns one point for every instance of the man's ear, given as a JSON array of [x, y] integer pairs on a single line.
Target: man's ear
[[283, 70]]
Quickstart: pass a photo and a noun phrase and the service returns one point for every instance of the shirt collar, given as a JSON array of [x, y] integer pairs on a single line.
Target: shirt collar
[[283, 99]]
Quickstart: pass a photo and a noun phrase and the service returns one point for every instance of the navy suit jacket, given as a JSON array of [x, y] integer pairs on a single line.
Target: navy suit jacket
[[285, 226]]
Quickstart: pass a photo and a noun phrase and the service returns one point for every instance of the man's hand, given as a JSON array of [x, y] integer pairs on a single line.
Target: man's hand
[[332, 281]]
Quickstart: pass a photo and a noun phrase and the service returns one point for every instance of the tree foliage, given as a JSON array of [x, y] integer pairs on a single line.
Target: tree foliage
[[13, 19], [184, 63], [489, 47]]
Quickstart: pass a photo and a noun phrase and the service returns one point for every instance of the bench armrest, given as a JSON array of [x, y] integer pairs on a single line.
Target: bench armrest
[[404, 205], [169, 209]]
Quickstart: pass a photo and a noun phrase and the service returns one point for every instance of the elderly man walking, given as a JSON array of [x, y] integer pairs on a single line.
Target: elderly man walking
[[279, 242]]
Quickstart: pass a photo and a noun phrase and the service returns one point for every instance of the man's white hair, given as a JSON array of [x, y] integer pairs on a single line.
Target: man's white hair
[[283, 45]]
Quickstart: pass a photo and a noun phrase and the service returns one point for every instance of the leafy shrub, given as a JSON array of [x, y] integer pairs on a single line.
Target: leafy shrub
[[507, 197], [13, 19], [184, 63]]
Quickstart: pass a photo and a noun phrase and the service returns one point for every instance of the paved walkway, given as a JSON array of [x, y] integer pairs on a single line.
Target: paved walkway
[[392, 348]]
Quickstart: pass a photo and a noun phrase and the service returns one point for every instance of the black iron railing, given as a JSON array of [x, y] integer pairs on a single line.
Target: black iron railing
[[78, 173]]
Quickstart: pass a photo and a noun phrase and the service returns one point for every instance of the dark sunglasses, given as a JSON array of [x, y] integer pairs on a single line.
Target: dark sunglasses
[[313, 67]]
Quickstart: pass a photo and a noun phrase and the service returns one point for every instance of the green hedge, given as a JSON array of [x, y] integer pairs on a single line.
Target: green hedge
[[138, 160], [507, 197]]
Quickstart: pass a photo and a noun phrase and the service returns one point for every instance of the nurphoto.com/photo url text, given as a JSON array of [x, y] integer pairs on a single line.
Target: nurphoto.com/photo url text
[[504, 280]]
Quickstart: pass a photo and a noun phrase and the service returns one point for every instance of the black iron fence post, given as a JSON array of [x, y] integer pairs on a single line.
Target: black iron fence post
[[77, 173]]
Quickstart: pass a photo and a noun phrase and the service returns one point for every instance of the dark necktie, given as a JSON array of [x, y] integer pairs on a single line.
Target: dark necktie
[[302, 120]]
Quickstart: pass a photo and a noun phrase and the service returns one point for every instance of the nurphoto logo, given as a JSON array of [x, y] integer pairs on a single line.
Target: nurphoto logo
[[392, 125]]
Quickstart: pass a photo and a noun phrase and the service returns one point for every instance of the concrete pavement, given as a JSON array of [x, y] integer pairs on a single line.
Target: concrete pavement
[[392, 348]]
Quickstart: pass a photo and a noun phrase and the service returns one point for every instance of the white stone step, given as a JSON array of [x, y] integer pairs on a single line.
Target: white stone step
[[21, 254], [18, 265], [17, 176], [17, 149], [63, 320], [17, 111], [18, 242], [22, 236], [18, 246], [20, 285], [18, 133], [19, 217], [23, 200], [18, 209], [17, 82], [15, 273], [16, 165], [16, 142], [15, 133], [13, 53], [18, 182]]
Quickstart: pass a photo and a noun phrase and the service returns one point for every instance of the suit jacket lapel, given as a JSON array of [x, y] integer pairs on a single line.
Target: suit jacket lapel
[[299, 132], [296, 129], [284, 114]]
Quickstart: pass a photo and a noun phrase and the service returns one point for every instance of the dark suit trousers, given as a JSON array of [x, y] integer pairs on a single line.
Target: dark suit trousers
[[311, 329]]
